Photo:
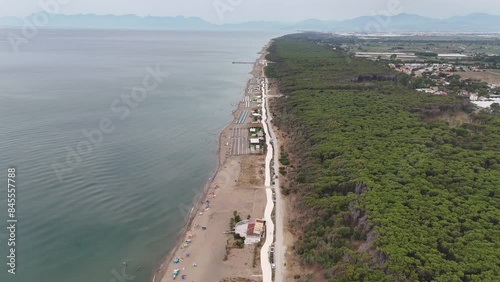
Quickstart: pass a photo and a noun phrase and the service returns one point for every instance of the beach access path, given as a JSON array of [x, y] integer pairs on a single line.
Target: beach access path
[[267, 272], [272, 183], [279, 249]]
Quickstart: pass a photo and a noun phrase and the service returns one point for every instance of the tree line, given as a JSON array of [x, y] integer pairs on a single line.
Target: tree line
[[391, 184]]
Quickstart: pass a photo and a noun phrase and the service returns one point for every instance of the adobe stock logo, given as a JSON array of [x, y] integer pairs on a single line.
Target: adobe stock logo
[[380, 20], [221, 7], [121, 277], [95, 137], [31, 25]]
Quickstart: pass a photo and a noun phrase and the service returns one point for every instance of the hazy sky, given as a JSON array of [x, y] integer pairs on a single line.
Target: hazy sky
[[231, 11]]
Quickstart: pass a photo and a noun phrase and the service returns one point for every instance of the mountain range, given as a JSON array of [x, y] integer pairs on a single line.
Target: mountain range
[[477, 22]]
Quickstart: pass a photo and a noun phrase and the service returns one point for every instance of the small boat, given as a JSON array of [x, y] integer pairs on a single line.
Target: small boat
[[175, 273]]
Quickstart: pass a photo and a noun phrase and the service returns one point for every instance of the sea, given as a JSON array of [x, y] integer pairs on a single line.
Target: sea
[[112, 135]]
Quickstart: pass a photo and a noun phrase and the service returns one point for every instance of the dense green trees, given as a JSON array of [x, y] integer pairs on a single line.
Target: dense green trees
[[389, 189], [426, 54]]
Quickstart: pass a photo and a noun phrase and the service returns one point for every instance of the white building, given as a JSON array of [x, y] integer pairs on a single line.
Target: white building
[[251, 230]]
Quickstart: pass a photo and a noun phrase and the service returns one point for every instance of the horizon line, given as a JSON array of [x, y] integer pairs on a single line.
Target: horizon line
[[248, 21]]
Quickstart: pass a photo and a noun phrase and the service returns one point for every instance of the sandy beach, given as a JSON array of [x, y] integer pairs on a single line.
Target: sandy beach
[[205, 252]]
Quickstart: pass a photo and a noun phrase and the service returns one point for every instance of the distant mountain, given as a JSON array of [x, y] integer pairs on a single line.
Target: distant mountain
[[415, 23], [368, 24], [112, 21], [476, 21], [254, 26], [10, 21], [401, 22], [315, 24], [476, 17]]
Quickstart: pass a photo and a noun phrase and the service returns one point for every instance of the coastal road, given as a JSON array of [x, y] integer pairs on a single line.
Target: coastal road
[[279, 249], [267, 272], [273, 154]]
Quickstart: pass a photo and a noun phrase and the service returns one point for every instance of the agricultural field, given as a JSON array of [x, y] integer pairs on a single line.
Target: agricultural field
[[464, 45], [486, 76]]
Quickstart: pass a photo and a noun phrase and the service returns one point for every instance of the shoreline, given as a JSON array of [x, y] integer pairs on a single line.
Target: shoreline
[[160, 270], [197, 203]]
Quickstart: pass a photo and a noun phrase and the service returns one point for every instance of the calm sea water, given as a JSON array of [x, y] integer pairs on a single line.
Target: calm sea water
[[83, 209]]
